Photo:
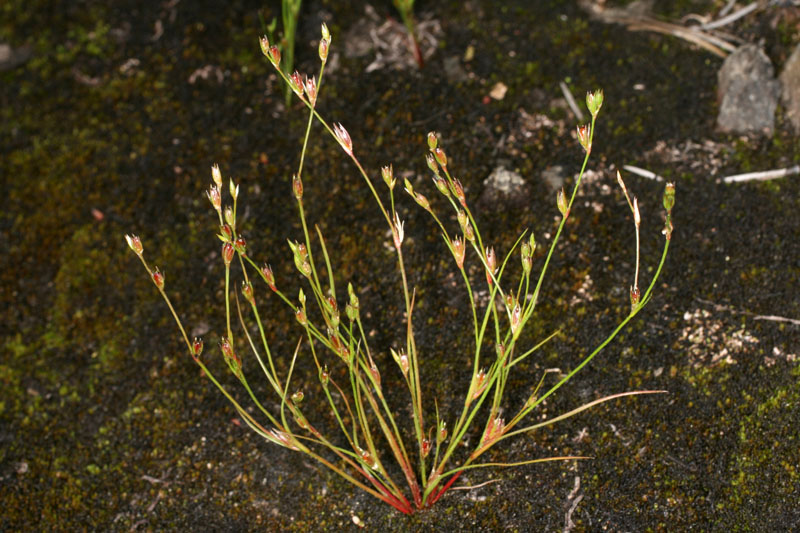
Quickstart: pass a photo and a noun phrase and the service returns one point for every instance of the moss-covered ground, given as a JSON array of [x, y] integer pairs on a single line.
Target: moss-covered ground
[[111, 127]]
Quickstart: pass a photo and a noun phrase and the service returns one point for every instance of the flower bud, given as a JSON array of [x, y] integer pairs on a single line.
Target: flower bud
[[397, 231], [297, 187], [501, 351], [333, 310], [441, 184], [214, 197], [344, 138], [323, 49], [594, 101], [197, 348], [367, 458], [426, 447], [637, 219], [478, 385], [216, 175], [230, 218], [401, 359], [158, 279], [247, 292], [404, 363], [227, 253], [266, 270], [491, 261], [516, 316], [561, 201], [263, 41], [408, 187], [458, 192], [441, 434], [326, 34], [274, 56], [585, 137], [227, 349], [432, 164], [459, 250], [440, 156], [422, 201], [225, 233], [234, 363], [432, 141], [466, 227], [527, 261], [234, 189], [240, 245], [376, 375], [296, 83], [301, 420], [494, 430], [301, 297], [352, 294], [324, 376], [669, 197], [310, 86], [135, 243], [635, 297], [388, 176]]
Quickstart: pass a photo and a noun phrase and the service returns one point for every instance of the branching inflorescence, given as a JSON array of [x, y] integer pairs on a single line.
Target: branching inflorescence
[[370, 432]]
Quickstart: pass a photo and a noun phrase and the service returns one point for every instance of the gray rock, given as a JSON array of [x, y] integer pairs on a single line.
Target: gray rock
[[554, 177], [12, 58], [790, 88], [504, 187], [748, 92]]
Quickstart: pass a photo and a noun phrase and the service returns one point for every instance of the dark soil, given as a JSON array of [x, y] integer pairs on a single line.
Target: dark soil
[[111, 127]]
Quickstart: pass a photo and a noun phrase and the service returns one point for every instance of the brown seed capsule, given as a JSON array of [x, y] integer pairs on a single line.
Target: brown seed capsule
[[227, 253], [197, 348], [158, 279], [135, 243], [240, 245], [247, 292], [297, 187]]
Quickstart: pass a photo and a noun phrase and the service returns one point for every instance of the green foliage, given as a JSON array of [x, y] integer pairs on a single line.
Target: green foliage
[[343, 353]]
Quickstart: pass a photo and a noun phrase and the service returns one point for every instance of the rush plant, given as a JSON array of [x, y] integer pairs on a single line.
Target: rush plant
[[368, 434]]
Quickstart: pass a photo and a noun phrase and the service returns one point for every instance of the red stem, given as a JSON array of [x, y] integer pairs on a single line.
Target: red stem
[[444, 489]]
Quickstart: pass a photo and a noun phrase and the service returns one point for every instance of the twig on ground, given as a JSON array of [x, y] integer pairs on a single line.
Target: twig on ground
[[763, 175], [574, 499], [571, 101], [479, 485], [771, 318], [642, 172], [736, 15], [725, 10], [638, 22]]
